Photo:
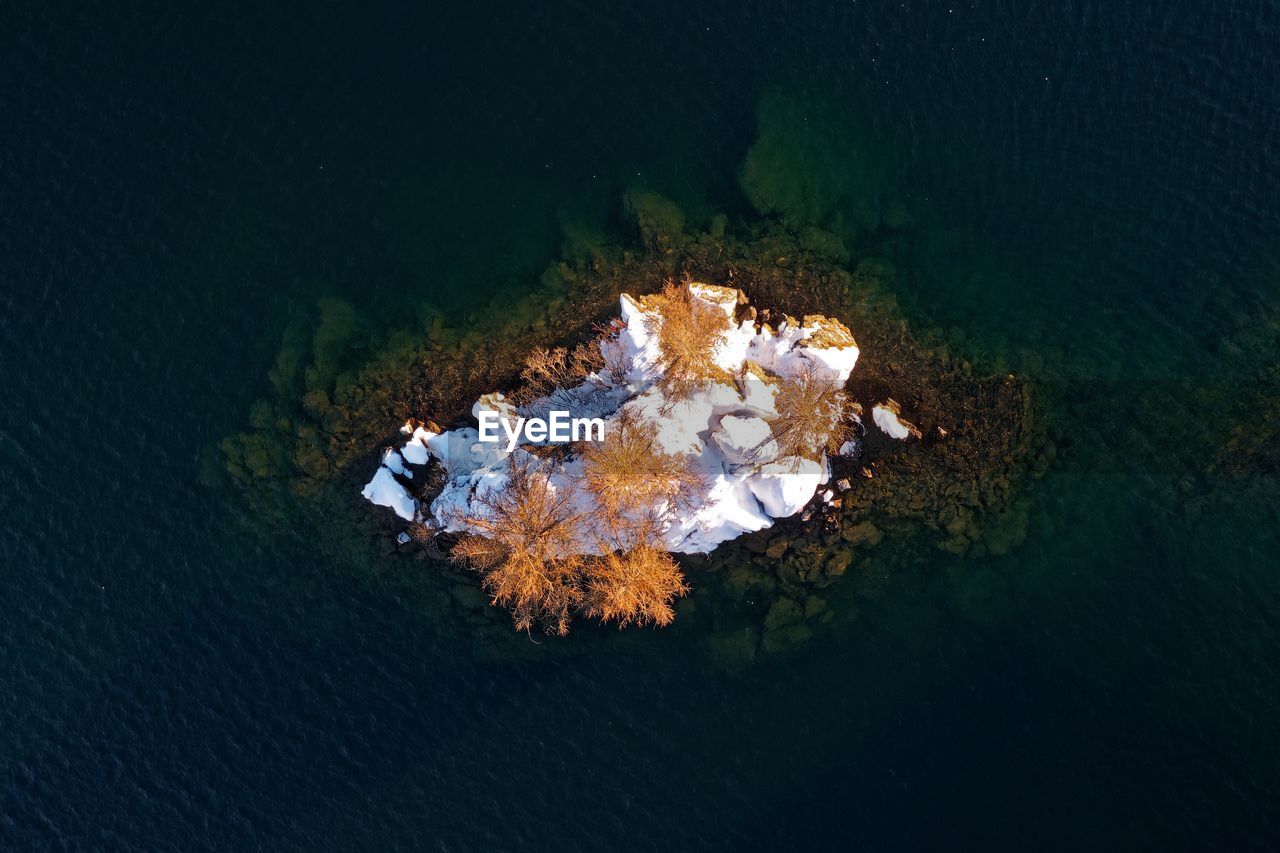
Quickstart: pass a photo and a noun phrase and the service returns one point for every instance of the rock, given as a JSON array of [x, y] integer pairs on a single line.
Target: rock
[[851, 449], [315, 403], [659, 219], [337, 419], [777, 547], [745, 440], [309, 458], [886, 416], [863, 532], [838, 563], [785, 486], [786, 637], [745, 582], [784, 611], [824, 244]]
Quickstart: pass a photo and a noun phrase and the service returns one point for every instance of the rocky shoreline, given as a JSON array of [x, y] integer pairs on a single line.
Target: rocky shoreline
[[341, 391]]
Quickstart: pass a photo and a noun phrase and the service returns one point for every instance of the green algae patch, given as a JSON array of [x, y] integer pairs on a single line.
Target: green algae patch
[[813, 174]]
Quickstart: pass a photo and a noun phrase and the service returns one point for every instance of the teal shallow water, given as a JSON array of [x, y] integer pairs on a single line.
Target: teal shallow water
[[1095, 201]]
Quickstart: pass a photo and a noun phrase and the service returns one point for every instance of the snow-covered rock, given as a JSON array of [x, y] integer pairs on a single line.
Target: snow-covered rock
[[746, 440], [783, 487], [395, 462], [886, 416], [384, 490], [723, 428]]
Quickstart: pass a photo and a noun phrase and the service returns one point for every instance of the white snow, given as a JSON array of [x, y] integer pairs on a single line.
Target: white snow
[[886, 417], [393, 460], [723, 429], [785, 486], [746, 440], [383, 490]]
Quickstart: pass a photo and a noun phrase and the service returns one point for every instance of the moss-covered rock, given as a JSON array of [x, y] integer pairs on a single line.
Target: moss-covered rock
[[810, 170], [659, 220], [863, 532]]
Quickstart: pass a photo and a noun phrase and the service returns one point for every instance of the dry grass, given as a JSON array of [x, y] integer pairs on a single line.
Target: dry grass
[[546, 370], [635, 587], [524, 548], [616, 363], [688, 330], [813, 415], [632, 479]]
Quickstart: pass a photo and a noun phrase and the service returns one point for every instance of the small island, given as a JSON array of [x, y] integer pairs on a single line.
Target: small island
[[712, 421]]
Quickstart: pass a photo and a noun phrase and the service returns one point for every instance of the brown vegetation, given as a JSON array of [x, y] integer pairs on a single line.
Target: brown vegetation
[[688, 330], [526, 534], [635, 587], [546, 370], [524, 549], [631, 478], [634, 482], [813, 415]]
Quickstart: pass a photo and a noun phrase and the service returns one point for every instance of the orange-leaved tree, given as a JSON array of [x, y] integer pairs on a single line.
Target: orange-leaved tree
[[636, 486], [812, 414], [524, 541], [633, 480], [688, 329], [634, 587]]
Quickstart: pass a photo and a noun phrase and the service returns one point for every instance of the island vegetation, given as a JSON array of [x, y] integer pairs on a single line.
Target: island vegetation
[[345, 380], [717, 424]]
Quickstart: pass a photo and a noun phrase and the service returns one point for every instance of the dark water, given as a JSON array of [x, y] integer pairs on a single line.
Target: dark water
[[1097, 200]]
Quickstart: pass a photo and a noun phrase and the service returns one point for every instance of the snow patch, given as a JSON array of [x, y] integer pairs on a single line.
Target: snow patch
[[385, 490], [723, 428], [886, 417]]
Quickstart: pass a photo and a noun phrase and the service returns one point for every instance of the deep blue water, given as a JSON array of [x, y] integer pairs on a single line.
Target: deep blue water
[[1098, 204]]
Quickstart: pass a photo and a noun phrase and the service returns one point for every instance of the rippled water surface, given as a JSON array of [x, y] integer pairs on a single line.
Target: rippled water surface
[[1095, 190]]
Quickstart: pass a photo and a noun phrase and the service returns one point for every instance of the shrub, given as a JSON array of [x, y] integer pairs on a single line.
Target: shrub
[[633, 480], [546, 370], [812, 417], [635, 587], [688, 330], [523, 547]]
